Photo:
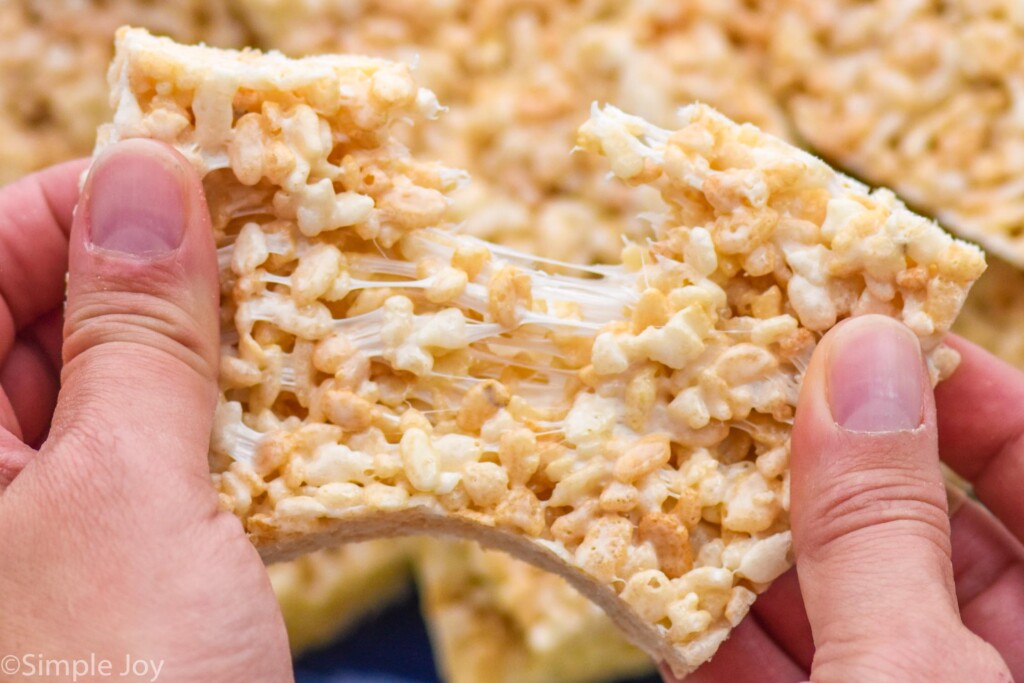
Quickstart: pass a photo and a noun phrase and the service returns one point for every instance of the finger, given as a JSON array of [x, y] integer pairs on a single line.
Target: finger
[[35, 219], [749, 655], [781, 611], [140, 352], [30, 383], [48, 334], [988, 564], [9, 425], [30, 380], [14, 456], [988, 567], [981, 429], [869, 514]]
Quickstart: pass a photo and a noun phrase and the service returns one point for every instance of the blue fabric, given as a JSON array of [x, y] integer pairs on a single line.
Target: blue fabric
[[391, 648]]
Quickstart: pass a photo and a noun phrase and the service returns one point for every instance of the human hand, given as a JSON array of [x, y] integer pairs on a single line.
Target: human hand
[[113, 542], [892, 588]]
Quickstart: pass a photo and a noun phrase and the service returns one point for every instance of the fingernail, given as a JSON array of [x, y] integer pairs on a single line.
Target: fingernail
[[136, 200], [876, 379]]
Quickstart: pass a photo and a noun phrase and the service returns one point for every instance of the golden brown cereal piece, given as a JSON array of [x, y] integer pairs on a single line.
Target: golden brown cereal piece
[[490, 415], [671, 541], [508, 292], [480, 404], [688, 508], [643, 458]]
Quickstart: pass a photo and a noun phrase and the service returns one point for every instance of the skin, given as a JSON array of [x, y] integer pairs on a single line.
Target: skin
[[113, 543]]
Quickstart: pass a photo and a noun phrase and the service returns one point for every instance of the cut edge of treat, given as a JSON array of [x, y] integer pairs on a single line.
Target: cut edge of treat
[[283, 545]]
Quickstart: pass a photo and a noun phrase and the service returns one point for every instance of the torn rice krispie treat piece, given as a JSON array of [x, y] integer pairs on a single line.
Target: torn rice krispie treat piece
[[494, 619], [922, 96], [324, 594], [626, 426]]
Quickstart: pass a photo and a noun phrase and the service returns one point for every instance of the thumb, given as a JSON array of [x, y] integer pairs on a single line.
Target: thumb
[[141, 324], [869, 518]]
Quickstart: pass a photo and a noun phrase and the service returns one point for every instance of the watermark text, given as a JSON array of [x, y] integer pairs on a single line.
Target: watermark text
[[35, 665]]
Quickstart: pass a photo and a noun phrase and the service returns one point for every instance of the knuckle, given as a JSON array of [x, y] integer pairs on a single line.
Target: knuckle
[[11, 464], [922, 652], [144, 319], [856, 508]]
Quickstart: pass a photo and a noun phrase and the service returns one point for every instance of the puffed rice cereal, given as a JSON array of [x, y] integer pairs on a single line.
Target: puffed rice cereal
[[518, 77], [625, 426], [923, 96]]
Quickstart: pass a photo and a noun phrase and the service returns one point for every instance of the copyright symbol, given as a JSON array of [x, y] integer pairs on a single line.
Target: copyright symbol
[[10, 665]]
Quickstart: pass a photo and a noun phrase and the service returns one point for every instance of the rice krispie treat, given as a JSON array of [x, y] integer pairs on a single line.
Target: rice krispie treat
[[75, 55], [626, 426], [327, 593], [517, 78], [493, 619], [922, 96]]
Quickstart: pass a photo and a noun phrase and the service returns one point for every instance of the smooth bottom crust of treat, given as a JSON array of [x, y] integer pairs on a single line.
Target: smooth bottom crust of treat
[[282, 545]]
